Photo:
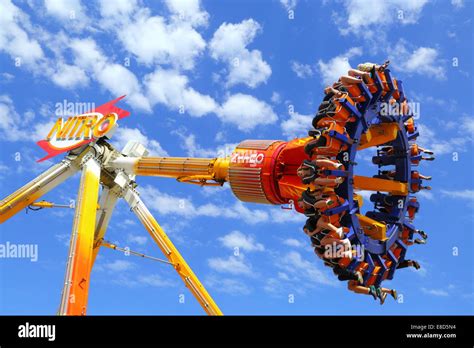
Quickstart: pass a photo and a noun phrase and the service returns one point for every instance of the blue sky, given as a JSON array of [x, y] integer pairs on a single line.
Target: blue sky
[[199, 78]]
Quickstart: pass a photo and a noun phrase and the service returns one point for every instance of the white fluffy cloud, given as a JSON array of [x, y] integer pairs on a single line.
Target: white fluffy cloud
[[152, 40], [70, 12], [135, 239], [435, 292], [293, 262], [230, 40], [276, 98], [237, 239], [118, 80], [286, 216], [294, 243], [19, 127], [170, 39], [124, 134], [41, 129], [236, 265], [333, 69], [297, 270], [116, 266], [70, 76], [194, 149], [87, 54], [229, 44], [170, 88], [459, 194], [302, 70], [189, 11], [184, 207], [21, 40], [166, 204], [246, 112], [296, 125], [118, 8], [365, 17], [421, 60], [14, 40], [11, 123], [289, 4], [155, 280], [228, 285], [460, 142], [115, 78]]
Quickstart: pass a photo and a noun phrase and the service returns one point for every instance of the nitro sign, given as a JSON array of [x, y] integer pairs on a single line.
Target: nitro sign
[[66, 134], [75, 131], [247, 157]]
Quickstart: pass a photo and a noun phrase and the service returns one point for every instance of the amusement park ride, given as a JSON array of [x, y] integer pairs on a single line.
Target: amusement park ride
[[317, 172]]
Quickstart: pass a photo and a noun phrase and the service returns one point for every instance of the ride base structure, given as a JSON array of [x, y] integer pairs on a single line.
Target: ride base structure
[[317, 171]]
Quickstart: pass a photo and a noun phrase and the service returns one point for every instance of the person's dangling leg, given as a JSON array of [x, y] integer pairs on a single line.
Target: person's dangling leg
[[409, 263], [360, 289], [386, 291], [348, 80]]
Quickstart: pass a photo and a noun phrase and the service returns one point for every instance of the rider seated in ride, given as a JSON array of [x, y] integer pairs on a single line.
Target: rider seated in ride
[[363, 73], [412, 208], [334, 260], [337, 90], [368, 70], [407, 236], [314, 172], [333, 110], [324, 144], [368, 67], [324, 202], [410, 124], [416, 181], [329, 237], [338, 264], [416, 150]]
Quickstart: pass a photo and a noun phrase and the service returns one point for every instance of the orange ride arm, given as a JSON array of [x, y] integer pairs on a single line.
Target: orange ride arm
[[258, 171], [193, 170], [37, 187], [107, 202], [172, 254], [77, 279]]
